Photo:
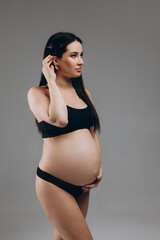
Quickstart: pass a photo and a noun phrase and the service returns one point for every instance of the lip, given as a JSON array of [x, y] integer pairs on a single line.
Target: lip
[[79, 69]]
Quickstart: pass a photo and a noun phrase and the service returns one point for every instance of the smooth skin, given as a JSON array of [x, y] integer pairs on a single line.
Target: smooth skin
[[83, 202], [62, 210], [65, 212]]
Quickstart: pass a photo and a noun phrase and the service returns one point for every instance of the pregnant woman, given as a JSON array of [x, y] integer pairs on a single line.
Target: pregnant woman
[[71, 158]]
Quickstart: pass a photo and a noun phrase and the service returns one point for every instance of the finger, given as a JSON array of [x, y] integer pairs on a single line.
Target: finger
[[93, 185], [46, 59], [99, 178], [49, 62], [90, 186], [85, 189], [49, 56]]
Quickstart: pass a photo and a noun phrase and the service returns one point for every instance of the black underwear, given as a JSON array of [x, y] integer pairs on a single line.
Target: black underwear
[[75, 190]]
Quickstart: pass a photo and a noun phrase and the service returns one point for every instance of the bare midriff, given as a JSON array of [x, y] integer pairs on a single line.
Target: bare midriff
[[73, 157]]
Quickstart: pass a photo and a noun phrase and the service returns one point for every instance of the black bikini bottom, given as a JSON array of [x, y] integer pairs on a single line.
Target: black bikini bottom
[[75, 190]]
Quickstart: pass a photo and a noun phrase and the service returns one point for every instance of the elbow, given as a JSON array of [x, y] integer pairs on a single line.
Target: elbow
[[63, 123], [63, 120], [59, 122]]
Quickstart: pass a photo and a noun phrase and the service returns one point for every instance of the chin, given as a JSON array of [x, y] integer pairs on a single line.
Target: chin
[[76, 75], [79, 73]]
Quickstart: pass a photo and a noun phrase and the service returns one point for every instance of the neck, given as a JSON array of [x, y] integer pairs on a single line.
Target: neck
[[64, 82]]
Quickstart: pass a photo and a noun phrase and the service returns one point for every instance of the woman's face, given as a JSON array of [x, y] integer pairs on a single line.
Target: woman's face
[[71, 60]]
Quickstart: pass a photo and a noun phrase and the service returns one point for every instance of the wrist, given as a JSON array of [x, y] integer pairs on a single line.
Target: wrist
[[51, 82]]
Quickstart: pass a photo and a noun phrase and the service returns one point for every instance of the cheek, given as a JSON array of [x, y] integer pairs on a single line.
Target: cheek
[[69, 63]]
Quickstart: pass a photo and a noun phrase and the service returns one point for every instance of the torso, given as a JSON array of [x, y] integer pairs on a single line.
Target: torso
[[72, 157]]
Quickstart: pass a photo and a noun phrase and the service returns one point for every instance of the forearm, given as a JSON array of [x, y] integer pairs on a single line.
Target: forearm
[[57, 108]]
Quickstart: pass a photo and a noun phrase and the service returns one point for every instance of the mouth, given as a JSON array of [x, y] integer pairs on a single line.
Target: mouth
[[79, 69]]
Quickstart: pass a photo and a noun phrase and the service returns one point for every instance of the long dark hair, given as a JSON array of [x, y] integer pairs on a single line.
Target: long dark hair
[[56, 46]]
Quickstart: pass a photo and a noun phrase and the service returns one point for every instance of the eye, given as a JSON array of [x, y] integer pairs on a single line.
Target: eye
[[75, 55]]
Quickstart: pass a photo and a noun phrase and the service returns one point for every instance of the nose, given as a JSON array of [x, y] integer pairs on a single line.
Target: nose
[[81, 62]]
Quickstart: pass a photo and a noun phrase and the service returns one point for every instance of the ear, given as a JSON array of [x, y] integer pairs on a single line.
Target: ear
[[55, 60]]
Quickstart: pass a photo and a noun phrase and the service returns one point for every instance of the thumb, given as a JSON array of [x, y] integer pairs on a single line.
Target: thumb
[[99, 177]]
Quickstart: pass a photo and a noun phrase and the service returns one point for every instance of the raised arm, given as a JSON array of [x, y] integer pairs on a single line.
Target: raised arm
[[48, 107]]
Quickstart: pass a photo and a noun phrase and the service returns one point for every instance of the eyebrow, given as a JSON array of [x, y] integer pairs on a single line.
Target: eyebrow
[[76, 52]]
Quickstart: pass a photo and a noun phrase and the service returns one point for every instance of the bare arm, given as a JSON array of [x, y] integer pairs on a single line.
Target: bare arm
[[57, 108], [50, 108]]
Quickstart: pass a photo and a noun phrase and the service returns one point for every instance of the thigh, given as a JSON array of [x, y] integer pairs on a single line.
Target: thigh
[[62, 210], [83, 202]]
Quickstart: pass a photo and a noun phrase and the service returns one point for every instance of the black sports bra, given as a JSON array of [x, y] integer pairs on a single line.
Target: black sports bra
[[78, 118]]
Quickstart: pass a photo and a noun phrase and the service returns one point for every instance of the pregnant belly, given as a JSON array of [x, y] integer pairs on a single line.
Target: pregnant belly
[[73, 157]]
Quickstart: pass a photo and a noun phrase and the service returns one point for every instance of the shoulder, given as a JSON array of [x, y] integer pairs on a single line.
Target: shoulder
[[32, 91], [36, 91], [89, 94]]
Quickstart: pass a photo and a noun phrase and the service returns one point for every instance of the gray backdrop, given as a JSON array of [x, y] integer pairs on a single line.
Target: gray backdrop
[[121, 56]]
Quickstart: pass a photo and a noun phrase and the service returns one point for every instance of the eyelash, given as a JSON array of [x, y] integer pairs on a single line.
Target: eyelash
[[75, 55]]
